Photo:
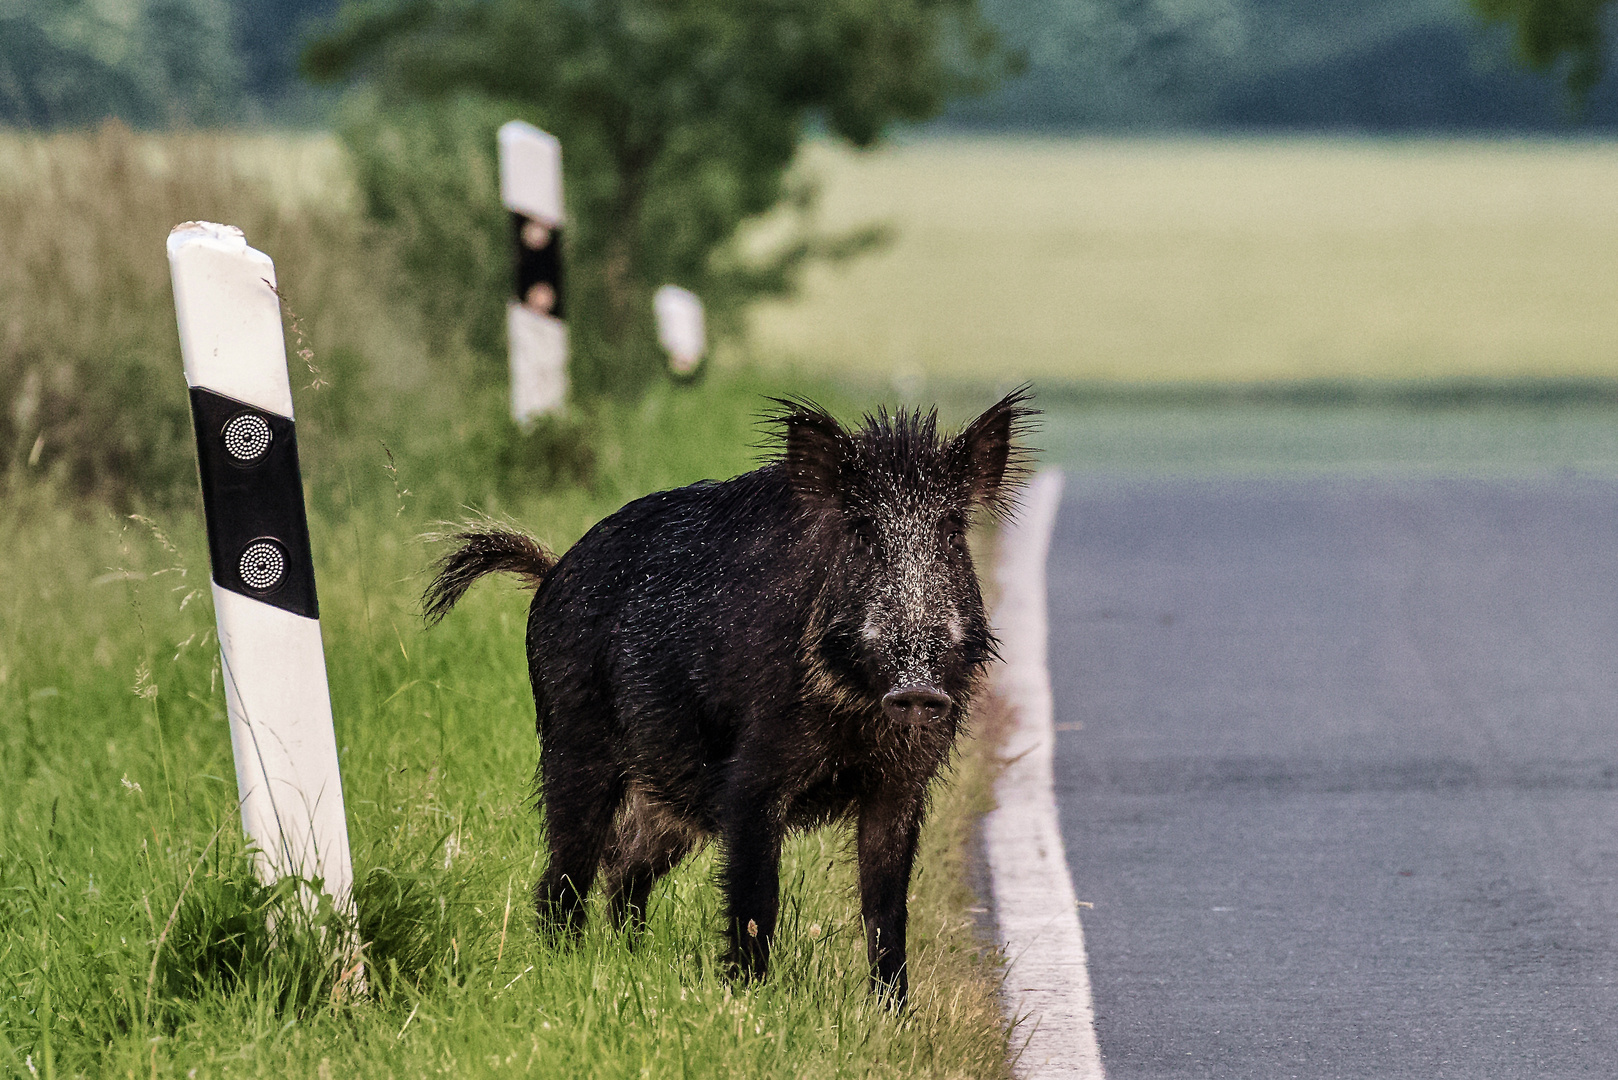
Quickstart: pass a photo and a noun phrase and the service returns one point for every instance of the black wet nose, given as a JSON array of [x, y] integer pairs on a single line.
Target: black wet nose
[[916, 705]]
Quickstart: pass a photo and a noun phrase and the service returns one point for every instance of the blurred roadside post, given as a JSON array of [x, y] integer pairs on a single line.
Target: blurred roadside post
[[681, 328], [531, 188], [258, 543]]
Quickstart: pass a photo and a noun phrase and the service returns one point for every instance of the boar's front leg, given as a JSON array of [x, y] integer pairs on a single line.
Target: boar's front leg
[[751, 834], [890, 824]]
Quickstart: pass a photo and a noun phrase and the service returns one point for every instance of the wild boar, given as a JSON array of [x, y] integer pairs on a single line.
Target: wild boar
[[740, 659]]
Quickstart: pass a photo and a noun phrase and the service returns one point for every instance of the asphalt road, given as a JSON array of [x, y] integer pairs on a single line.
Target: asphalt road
[[1345, 793]]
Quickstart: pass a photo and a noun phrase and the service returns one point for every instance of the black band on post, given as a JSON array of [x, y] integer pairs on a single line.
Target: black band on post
[[252, 497], [539, 263]]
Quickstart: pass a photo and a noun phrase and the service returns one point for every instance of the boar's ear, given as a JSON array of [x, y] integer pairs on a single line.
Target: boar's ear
[[987, 456], [814, 448]]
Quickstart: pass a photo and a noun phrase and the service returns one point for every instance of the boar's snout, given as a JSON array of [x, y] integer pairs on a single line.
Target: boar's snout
[[916, 704]]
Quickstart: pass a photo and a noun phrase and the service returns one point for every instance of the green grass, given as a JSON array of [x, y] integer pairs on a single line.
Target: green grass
[[115, 756], [133, 941]]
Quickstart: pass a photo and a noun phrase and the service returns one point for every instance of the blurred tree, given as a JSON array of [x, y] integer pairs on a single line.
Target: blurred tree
[[1116, 62], [678, 119], [269, 36], [1550, 32], [1357, 65], [150, 63]]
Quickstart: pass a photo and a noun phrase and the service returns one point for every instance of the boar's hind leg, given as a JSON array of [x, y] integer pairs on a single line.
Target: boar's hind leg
[[890, 824], [648, 843], [579, 807]]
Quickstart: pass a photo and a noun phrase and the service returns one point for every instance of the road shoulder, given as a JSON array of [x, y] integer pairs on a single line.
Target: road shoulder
[[1046, 993]]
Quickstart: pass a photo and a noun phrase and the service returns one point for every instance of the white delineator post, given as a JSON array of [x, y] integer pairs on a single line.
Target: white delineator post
[[258, 542], [531, 188], [681, 328]]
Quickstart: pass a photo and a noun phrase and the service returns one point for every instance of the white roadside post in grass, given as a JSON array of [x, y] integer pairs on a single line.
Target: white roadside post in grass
[[681, 328], [531, 188], [258, 542]]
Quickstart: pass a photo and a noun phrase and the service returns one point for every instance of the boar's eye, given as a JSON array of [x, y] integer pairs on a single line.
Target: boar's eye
[[863, 530], [954, 534]]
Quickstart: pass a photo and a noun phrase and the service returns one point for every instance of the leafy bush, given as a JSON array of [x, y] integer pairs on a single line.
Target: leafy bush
[[427, 174], [1573, 33], [678, 121]]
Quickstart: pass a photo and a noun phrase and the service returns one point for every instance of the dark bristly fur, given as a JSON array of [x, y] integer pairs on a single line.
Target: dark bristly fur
[[739, 660], [483, 548]]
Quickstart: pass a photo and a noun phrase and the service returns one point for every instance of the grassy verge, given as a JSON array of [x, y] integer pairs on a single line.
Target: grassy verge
[[120, 812], [133, 940]]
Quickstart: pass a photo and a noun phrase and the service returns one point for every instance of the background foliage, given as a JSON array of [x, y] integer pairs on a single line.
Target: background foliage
[[1224, 65], [1552, 32], [679, 121], [1377, 65], [152, 63]]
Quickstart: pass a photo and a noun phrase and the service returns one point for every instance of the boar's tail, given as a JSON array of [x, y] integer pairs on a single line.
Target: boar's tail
[[483, 548]]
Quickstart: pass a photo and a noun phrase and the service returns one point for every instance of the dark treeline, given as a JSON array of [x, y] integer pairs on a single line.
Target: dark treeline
[[156, 63], [1336, 65]]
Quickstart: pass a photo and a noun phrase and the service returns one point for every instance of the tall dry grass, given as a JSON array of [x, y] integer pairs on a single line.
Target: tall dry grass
[[89, 369]]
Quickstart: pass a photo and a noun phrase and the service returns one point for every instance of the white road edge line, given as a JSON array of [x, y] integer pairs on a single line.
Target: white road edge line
[[1047, 985]]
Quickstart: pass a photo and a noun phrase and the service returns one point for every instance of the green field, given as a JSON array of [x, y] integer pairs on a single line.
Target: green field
[[1145, 261]]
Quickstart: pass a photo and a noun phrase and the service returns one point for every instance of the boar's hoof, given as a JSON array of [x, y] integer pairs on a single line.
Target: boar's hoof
[[745, 966], [915, 705], [892, 991]]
